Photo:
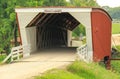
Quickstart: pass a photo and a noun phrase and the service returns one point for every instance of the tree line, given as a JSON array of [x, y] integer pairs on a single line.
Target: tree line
[[114, 12], [8, 17]]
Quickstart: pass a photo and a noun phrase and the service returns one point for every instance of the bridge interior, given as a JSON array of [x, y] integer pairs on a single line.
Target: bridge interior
[[52, 29]]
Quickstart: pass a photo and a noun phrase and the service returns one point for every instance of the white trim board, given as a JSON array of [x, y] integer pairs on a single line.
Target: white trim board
[[53, 9]]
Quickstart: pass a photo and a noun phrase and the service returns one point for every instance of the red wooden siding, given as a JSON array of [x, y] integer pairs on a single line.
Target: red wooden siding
[[101, 34]]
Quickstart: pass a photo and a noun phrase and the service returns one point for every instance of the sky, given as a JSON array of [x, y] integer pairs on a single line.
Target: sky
[[110, 3]]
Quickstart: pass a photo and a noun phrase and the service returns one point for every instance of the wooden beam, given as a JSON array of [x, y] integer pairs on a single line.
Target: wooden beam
[[34, 20], [46, 19], [40, 19], [52, 19], [115, 59]]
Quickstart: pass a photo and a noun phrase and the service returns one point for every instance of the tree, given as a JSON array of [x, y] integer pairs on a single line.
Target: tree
[[7, 20], [79, 30], [114, 12], [54, 3], [83, 3]]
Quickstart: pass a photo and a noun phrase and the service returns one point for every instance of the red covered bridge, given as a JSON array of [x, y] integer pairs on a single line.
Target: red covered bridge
[[50, 27]]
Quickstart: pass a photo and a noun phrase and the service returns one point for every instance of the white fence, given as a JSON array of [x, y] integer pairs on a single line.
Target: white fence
[[83, 53], [17, 53]]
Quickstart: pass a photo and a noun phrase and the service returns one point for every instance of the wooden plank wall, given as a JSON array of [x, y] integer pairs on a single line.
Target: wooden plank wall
[[51, 37]]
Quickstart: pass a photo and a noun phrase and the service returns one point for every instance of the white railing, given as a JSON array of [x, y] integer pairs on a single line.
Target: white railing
[[83, 53], [16, 53]]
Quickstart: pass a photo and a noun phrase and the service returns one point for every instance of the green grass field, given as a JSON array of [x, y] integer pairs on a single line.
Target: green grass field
[[116, 28], [80, 70]]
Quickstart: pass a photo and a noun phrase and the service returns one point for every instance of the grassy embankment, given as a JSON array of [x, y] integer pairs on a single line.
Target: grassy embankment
[[116, 28], [80, 70]]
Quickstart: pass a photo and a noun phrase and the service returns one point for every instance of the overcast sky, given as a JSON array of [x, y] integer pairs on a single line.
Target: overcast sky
[[110, 3]]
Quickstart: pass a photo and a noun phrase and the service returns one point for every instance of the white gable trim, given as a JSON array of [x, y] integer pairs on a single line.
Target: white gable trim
[[53, 9]]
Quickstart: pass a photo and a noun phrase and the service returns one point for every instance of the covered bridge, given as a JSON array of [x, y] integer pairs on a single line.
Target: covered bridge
[[49, 27]]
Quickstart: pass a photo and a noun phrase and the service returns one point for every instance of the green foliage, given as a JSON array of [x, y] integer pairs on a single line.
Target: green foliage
[[5, 35], [80, 70], [118, 47], [91, 71], [84, 41], [2, 58], [83, 3], [116, 28], [116, 65], [7, 20], [54, 3], [114, 12], [79, 30]]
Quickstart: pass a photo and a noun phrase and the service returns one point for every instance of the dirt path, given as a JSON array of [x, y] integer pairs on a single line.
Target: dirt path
[[36, 65], [116, 39]]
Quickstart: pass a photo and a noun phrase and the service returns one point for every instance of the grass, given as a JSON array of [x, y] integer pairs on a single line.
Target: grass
[[58, 74], [80, 70], [118, 47], [2, 57], [116, 28], [84, 41], [91, 71], [116, 64]]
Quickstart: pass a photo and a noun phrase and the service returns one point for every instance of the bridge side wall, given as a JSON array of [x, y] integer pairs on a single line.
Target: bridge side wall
[[85, 19], [101, 34], [28, 35]]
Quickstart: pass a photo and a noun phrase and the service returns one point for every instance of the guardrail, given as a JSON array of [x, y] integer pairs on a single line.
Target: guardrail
[[83, 53], [16, 53]]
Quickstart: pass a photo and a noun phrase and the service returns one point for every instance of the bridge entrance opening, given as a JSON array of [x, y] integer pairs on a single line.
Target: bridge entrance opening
[[53, 30], [78, 36]]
